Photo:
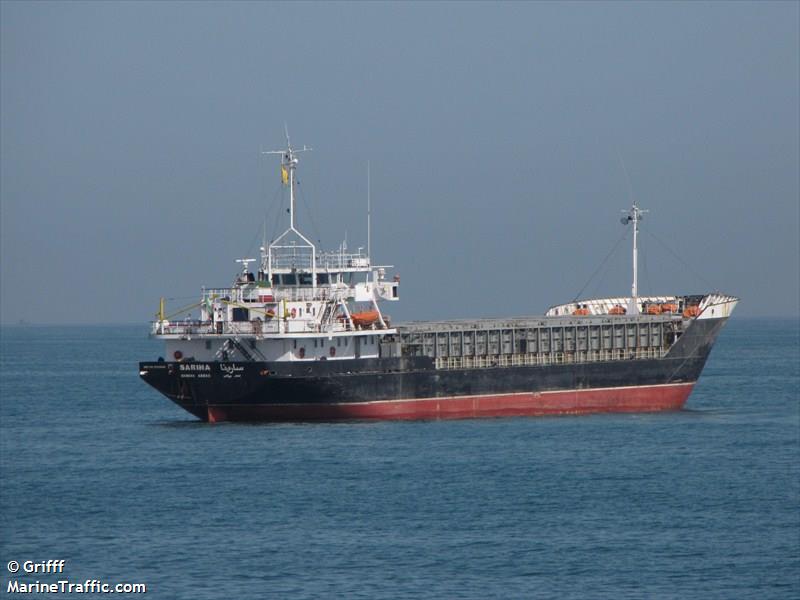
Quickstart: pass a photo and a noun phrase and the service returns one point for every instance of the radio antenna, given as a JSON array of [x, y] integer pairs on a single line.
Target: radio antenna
[[369, 210]]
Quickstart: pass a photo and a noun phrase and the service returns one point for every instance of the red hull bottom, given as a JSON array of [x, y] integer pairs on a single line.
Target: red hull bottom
[[573, 402]]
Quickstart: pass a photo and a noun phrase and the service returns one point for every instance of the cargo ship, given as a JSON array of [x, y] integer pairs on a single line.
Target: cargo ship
[[303, 337]]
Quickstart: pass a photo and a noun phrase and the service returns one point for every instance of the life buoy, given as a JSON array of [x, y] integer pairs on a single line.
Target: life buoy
[[332, 351], [301, 353], [294, 313], [177, 354]]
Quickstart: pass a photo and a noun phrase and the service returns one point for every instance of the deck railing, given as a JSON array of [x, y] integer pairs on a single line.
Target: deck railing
[[249, 328], [288, 293], [288, 258], [191, 328]]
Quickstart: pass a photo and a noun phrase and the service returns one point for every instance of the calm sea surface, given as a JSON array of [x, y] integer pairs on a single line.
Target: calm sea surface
[[100, 470]]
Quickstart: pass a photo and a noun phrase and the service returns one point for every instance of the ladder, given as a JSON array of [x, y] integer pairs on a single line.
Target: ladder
[[232, 345]]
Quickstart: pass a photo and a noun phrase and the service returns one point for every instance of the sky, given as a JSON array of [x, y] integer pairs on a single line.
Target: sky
[[503, 142]]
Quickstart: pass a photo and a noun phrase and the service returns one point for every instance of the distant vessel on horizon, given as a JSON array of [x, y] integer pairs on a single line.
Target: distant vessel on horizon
[[304, 338]]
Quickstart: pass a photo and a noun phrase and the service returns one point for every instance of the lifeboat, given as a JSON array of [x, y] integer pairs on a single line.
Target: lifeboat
[[669, 307], [365, 318], [653, 309], [580, 312], [617, 310], [691, 311]]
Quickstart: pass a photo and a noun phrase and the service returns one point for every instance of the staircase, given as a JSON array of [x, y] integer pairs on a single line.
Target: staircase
[[233, 345]]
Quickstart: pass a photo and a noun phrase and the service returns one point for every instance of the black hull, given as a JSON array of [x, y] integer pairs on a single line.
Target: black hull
[[414, 388]]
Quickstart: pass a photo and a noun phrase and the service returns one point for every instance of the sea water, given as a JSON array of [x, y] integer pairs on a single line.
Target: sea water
[[101, 471]]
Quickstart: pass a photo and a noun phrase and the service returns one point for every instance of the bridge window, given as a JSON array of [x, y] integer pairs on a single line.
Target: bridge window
[[305, 278], [323, 278]]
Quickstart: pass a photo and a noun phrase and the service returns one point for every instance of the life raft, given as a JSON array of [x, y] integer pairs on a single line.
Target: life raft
[[691, 311], [653, 309]]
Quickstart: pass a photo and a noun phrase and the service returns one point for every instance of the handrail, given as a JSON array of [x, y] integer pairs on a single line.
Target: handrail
[[291, 294], [255, 328]]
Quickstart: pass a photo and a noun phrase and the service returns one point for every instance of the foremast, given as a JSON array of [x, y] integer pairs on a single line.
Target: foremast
[[704, 306], [634, 216]]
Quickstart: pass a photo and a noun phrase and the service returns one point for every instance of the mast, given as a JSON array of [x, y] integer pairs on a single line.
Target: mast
[[288, 165], [289, 162], [635, 214], [635, 285]]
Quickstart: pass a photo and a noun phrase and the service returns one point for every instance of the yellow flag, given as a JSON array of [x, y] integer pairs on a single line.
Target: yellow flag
[[284, 175]]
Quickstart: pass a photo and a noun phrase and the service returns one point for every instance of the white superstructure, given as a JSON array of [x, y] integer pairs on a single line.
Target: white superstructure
[[300, 304]]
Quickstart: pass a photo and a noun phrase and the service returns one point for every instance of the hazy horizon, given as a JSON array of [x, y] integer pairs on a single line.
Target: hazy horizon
[[504, 139]]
